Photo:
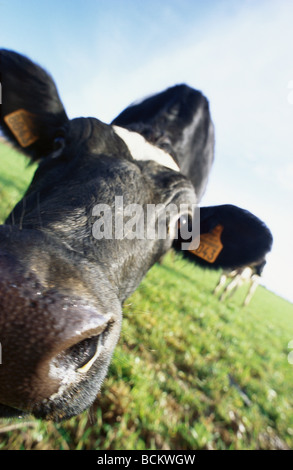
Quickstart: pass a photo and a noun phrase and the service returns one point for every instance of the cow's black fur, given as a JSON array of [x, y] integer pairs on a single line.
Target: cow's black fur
[[61, 289], [168, 120]]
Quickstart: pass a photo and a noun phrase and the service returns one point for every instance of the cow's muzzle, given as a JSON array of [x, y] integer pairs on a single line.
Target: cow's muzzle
[[51, 345]]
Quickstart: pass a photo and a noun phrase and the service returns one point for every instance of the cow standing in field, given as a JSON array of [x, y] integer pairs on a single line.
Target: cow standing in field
[[243, 275], [71, 251]]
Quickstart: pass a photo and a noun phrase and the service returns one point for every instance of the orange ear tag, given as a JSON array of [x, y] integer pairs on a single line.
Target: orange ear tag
[[20, 123], [210, 245]]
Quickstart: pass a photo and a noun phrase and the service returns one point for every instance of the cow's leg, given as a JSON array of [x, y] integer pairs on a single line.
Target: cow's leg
[[220, 284], [231, 288], [253, 286]]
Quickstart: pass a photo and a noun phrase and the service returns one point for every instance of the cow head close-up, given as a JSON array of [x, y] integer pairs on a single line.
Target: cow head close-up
[[80, 241]]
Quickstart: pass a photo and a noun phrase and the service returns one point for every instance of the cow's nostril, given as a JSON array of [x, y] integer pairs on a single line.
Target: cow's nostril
[[85, 352], [79, 357]]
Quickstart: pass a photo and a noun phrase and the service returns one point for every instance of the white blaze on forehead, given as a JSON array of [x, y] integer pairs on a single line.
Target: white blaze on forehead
[[140, 149]]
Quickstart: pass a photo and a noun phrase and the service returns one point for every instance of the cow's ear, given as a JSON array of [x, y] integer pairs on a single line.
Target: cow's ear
[[229, 237], [31, 110]]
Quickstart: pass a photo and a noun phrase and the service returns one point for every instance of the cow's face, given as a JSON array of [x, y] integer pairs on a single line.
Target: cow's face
[[71, 251], [102, 208]]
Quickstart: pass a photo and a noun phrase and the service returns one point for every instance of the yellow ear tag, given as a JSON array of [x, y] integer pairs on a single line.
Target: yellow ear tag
[[20, 123], [210, 245]]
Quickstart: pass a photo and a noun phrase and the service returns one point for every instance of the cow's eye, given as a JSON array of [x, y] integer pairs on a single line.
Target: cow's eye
[[184, 220], [184, 223]]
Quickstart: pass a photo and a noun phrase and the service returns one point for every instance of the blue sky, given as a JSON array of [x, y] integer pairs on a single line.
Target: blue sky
[[105, 54]]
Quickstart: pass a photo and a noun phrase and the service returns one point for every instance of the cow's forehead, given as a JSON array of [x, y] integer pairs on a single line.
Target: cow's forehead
[[141, 149]]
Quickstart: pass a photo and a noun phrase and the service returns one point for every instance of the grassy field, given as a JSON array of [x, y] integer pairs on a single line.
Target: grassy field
[[189, 372]]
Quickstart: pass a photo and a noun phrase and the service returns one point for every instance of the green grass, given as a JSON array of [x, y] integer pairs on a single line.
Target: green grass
[[189, 372], [15, 174]]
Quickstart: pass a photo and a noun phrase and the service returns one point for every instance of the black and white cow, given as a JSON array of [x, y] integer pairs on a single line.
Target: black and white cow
[[230, 281], [62, 283]]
